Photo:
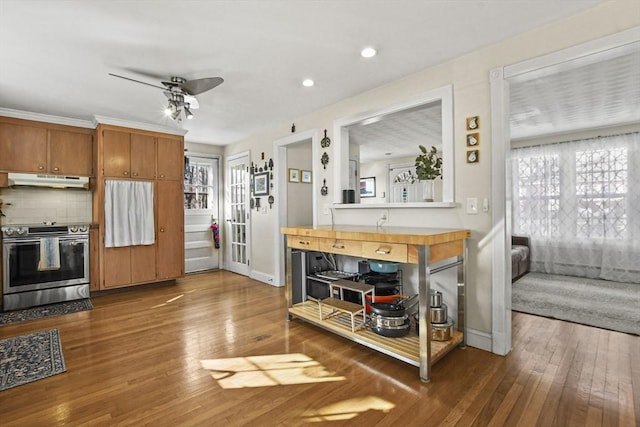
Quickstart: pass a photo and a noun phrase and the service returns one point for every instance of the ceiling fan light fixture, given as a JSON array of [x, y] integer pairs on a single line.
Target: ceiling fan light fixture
[[175, 114]]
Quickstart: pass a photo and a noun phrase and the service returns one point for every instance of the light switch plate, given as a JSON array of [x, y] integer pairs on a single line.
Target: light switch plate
[[472, 205]]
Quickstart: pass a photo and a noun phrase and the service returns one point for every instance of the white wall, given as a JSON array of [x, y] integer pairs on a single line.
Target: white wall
[[300, 203], [469, 75]]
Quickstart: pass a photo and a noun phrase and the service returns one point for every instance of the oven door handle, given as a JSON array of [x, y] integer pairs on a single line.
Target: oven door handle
[[72, 240]]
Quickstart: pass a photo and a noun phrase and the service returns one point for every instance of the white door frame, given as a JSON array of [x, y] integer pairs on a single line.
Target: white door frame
[[501, 217], [221, 228], [227, 212], [280, 174]]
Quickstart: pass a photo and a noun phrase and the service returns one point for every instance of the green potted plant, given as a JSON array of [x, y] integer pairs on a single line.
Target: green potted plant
[[428, 168]]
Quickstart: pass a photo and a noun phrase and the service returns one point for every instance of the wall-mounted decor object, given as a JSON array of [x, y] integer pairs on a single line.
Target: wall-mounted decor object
[[270, 164], [261, 184], [305, 176], [294, 175], [324, 190], [326, 141], [473, 123], [473, 139], [270, 200], [368, 187], [473, 156], [324, 159]]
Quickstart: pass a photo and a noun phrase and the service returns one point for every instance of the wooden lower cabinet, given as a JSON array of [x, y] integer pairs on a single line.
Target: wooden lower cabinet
[[170, 229], [129, 265]]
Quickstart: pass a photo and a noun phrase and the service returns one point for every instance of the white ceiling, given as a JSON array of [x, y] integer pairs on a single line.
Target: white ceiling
[[597, 92], [56, 55]]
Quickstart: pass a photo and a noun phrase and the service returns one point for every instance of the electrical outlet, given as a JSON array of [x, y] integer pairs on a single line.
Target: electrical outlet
[[384, 216]]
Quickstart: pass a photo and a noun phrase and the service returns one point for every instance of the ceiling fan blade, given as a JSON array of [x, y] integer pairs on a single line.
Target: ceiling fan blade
[[136, 81], [194, 87]]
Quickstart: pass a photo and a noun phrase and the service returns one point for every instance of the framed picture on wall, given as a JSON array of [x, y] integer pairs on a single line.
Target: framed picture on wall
[[305, 176], [368, 187], [294, 175], [261, 184]]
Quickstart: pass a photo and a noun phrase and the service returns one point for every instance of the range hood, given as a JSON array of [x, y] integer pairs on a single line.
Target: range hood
[[49, 181]]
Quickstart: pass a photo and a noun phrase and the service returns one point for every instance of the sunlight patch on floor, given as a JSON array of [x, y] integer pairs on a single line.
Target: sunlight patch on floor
[[347, 409], [268, 371], [168, 301]]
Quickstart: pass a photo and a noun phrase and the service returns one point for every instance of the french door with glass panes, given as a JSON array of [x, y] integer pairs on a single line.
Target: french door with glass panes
[[237, 247], [201, 214]]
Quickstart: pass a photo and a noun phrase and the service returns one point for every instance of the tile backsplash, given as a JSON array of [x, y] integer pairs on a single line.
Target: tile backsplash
[[37, 205]]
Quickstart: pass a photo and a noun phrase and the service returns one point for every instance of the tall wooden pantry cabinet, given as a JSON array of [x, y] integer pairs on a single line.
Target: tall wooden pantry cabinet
[[131, 154]]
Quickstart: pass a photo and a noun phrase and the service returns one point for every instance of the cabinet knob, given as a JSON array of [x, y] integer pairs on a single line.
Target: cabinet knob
[[41, 168], [125, 173], [135, 174], [162, 230], [56, 169], [161, 176]]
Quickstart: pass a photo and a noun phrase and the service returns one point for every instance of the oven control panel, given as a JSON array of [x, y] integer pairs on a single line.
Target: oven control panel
[[17, 231]]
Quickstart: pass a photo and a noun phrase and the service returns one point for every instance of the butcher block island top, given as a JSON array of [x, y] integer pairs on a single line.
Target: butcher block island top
[[413, 245], [406, 235]]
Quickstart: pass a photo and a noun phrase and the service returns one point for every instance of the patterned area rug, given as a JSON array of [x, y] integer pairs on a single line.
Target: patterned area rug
[[29, 358], [45, 310], [600, 303]]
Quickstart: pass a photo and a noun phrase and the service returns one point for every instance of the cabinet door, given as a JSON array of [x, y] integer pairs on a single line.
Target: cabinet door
[[143, 156], [23, 148], [170, 159], [116, 149], [143, 263], [170, 230], [70, 153], [116, 267]]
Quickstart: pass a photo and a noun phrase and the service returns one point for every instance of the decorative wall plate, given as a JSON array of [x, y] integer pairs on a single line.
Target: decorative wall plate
[[324, 190], [473, 139], [324, 159], [326, 141]]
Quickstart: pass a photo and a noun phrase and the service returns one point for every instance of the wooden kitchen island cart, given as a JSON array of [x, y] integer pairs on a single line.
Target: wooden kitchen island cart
[[432, 249]]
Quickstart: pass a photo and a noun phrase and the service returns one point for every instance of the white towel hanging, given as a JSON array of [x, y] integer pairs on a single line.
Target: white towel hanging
[[128, 213]]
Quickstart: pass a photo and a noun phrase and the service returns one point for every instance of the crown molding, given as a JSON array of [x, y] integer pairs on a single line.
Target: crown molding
[[26, 115], [137, 125]]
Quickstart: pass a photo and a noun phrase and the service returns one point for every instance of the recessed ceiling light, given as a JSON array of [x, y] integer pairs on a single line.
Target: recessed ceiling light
[[368, 52], [308, 83]]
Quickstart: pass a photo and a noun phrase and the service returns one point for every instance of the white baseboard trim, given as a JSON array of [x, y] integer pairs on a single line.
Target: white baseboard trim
[[263, 277], [478, 339]]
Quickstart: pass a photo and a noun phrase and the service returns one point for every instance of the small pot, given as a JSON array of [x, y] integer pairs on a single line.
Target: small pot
[[442, 331], [439, 314], [393, 327], [383, 266], [435, 298]]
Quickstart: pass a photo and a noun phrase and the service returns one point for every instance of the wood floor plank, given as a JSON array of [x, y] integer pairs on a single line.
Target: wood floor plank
[[137, 359]]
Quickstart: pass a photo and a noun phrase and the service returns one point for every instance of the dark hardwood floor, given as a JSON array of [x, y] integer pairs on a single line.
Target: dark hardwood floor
[[140, 357]]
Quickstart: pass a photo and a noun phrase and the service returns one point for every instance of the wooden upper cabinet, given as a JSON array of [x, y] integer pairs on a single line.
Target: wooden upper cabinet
[[128, 155], [44, 148], [143, 154], [23, 148], [70, 153], [116, 149], [170, 159]]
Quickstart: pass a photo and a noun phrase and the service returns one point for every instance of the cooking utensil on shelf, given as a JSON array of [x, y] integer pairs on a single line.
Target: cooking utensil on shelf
[[383, 266]]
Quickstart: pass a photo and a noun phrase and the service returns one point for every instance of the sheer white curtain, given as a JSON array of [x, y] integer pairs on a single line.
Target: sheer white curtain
[[579, 202]]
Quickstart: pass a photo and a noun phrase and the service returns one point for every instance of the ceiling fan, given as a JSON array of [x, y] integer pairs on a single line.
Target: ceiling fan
[[181, 93]]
